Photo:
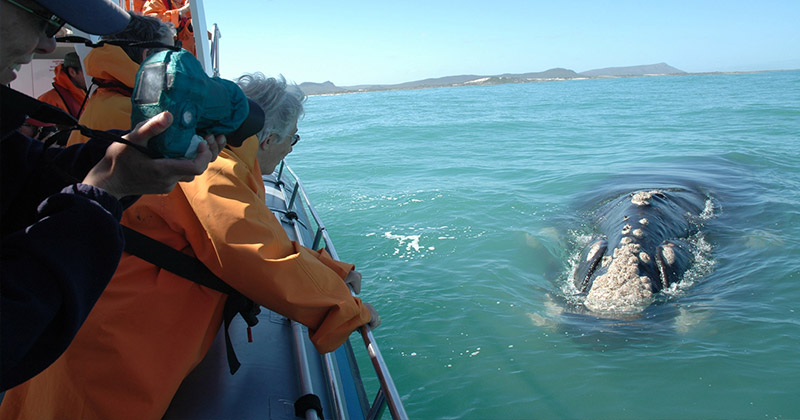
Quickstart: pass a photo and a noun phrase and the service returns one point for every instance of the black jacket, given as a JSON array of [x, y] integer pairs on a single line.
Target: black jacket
[[61, 243]]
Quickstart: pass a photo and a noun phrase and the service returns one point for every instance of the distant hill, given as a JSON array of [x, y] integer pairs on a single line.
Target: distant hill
[[328, 88], [557, 73], [660, 68], [310, 88]]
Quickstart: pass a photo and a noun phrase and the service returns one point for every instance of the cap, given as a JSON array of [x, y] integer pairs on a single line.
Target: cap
[[97, 17], [72, 61]]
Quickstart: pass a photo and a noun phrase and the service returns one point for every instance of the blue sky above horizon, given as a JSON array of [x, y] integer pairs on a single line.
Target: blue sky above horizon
[[352, 42]]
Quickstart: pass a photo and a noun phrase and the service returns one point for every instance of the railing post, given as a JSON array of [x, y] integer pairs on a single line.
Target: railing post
[[200, 35], [216, 35], [290, 204], [317, 239], [280, 174], [376, 410], [387, 384], [306, 386]]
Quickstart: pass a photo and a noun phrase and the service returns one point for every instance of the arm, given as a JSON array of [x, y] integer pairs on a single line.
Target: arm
[[124, 171], [242, 242], [61, 240], [47, 287]]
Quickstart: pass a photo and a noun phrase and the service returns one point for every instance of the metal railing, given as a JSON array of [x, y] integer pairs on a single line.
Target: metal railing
[[215, 36], [201, 44], [387, 394]]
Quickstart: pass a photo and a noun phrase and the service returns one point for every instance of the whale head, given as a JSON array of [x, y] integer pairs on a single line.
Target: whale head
[[640, 253]]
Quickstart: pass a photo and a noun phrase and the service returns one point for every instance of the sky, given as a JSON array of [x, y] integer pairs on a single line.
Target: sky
[[353, 42]]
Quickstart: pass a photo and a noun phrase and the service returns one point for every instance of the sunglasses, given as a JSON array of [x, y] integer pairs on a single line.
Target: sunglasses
[[295, 139], [53, 23]]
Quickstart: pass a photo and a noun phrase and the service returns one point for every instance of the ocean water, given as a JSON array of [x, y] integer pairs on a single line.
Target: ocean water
[[465, 209]]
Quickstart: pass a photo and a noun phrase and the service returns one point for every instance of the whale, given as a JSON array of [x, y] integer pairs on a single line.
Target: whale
[[642, 245]]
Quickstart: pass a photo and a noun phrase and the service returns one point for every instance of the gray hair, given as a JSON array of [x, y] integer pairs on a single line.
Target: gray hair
[[282, 103], [142, 28]]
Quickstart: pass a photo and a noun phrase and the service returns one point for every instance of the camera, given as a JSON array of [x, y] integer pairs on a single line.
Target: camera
[[174, 81]]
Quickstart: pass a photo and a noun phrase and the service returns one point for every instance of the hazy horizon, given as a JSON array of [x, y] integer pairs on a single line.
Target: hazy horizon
[[360, 43], [542, 71]]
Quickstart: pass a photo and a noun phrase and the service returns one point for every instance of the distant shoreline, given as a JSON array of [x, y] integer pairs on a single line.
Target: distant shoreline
[[500, 80]]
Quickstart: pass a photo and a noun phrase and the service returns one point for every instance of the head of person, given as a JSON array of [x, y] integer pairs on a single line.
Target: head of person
[[72, 66], [143, 29], [283, 106], [28, 27]]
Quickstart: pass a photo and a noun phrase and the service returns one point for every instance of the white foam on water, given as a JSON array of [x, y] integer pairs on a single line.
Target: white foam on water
[[410, 241], [708, 211]]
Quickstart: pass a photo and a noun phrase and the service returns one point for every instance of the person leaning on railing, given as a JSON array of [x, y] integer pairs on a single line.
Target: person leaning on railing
[[152, 327], [60, 208]]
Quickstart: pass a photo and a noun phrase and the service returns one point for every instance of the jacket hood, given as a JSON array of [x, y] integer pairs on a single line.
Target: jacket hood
[[110, 62], [62, 79]]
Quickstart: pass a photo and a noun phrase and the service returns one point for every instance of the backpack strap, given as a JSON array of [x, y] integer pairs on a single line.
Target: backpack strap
[[190, 268], [113, 85]]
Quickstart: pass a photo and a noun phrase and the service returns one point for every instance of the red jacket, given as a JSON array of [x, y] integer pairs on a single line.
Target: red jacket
[[64, 93]]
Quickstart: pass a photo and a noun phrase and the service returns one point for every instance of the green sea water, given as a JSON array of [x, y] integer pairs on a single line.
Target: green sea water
[[465, 209]]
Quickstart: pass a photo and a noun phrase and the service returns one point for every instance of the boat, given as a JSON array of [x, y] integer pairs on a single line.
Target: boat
[[281, 376]]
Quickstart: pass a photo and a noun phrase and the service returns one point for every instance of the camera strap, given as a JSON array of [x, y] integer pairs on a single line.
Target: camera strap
[[162, 255], [44, 112], [74, 39]]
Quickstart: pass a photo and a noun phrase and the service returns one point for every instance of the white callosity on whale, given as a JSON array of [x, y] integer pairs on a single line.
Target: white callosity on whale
[[621, 288], [646, 254]]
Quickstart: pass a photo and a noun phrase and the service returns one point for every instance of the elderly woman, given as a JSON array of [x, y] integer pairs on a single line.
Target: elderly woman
[[283, 107], [151, 327]]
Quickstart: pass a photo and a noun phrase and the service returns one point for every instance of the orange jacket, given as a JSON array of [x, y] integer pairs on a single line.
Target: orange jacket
[[160, 9], [70, 98], [108, 108], [151, 328], [135, 5]]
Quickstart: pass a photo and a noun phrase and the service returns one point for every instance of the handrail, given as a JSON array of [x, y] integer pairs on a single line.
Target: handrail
[[387, 384], [201, 44], [331, 367], [306, 384], [215, 37]]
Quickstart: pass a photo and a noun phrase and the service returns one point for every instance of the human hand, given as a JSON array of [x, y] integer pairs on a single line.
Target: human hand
[[125, 171], [374, 317], [215, 144], [353, 280]]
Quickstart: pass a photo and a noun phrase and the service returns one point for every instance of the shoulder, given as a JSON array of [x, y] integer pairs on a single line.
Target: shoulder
[[48, 96], [228, 177]]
